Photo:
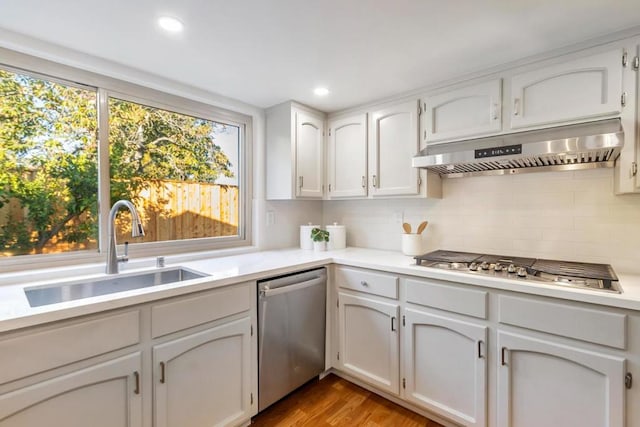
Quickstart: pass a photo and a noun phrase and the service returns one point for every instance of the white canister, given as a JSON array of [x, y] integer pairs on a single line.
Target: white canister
[[305, 236], [412, 244], [337, 236]]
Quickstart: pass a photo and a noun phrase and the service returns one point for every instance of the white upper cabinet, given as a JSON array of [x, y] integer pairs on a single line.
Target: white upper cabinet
[[393, 143], [545, 384], [295, 152], [309, 155], [461, 113], [347, 157], [576, 90]]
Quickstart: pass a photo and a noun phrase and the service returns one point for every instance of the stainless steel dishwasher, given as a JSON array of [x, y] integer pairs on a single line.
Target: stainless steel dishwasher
[[291, 333]]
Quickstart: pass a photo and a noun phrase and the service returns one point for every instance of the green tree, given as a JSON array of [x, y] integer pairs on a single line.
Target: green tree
[[49, 152], [150, 144], [48, 162]]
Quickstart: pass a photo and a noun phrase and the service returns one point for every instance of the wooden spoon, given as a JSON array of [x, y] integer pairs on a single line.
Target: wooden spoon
[[406, 227], [422, 226]]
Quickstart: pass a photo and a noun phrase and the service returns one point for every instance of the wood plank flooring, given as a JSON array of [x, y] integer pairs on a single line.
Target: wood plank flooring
[[336, 402]]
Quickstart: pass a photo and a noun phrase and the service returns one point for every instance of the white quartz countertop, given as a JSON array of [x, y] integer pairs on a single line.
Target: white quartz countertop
[[16, 313]]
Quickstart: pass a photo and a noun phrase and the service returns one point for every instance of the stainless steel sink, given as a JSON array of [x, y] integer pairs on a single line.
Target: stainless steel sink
[[69, 291]]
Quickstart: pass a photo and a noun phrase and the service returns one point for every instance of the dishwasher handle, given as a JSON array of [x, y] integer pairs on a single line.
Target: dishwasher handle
[[265, 293]]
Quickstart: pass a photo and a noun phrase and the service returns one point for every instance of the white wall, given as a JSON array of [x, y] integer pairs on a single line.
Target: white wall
[[288, 216], [559, 215]]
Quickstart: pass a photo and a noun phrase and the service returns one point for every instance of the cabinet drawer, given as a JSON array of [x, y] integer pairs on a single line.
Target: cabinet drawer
[[432, 293], [595, 326], [368, 282], [71, 342], [183, 313]]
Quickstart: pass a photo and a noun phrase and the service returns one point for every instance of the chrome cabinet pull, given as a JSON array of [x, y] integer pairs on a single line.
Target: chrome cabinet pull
[[393, 324], [300, 181], [494, 111], [374, 180], [162, 373], [329, 188], [502, 359], [516, 106], [480, 356], [364, 181], [136, 380], [363, 283]]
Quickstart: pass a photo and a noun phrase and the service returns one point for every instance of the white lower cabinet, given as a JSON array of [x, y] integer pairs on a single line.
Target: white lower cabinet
[[204, 379], [192, 360], [103, 395], [553, 363], [445, 366], [541, 383], [369, 340]]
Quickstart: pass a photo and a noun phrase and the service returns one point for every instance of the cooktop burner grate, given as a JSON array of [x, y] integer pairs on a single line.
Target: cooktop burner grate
[[506, 260], [575, 269], [448, 256], [562, 273]]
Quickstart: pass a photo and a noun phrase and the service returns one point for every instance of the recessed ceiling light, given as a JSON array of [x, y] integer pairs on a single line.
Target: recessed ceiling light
[[170, 24], [321, 91]]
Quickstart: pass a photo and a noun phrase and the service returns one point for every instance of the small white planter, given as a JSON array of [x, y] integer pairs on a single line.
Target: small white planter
[[319, 246]]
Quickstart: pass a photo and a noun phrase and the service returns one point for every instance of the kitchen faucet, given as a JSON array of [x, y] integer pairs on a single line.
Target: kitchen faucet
[[136, 231]]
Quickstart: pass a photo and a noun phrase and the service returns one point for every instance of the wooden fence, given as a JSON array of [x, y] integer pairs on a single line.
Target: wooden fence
[[170, 210]]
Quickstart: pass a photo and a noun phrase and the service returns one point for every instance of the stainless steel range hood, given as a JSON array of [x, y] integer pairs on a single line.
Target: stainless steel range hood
[[582, 146]]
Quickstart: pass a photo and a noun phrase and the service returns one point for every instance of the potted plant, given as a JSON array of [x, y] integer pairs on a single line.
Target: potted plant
[[320, 238]]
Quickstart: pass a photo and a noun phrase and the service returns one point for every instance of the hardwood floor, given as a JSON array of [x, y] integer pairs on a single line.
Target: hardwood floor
[[336, 402]]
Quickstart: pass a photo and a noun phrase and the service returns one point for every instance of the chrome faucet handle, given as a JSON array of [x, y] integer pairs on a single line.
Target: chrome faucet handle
[[136, 231]]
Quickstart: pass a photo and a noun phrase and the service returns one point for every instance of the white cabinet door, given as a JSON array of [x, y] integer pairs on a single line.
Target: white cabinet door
[[445, 366], [393, 141], [580, 89], [294, 152], [104, 395], [204, 379], [466, 112], [545, 384], [309, 155], [369, 341], [347, 157]]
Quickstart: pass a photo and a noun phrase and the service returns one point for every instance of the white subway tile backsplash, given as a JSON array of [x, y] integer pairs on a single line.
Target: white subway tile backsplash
[[288, 216], [558, 215]]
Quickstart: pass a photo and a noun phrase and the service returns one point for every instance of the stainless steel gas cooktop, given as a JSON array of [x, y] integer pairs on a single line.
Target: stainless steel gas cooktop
[[599, 277]]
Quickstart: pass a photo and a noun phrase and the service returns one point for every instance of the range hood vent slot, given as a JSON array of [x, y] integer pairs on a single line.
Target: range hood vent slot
[[583, 146]]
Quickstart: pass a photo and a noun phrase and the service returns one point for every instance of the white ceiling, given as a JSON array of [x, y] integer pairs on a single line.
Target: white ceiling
[[268, 51]]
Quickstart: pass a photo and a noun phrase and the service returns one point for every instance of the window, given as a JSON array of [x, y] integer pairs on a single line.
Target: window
[[180, 171], [182, 163], [48, 166]]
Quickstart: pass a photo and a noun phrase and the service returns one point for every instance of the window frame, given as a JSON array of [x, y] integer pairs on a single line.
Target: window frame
[[105, 88]]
